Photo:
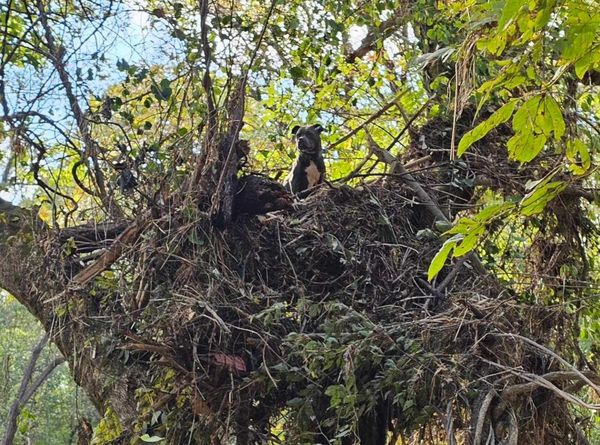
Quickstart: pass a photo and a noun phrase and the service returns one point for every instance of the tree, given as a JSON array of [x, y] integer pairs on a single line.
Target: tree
[[28, 388], [49, 407], [186, 317]]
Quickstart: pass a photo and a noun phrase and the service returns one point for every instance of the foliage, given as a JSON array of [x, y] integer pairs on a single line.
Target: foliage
[[537, 50], [51, 416]]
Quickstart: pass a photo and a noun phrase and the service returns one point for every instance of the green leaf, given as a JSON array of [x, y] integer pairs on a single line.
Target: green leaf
[[469, 242], [525, 116], [493, 211], [585, 63], [495, 45], [498, 117], [162, 91], [474, 228], [150, 439], [296, 72], [509, 12], [579, 156], [578, 41], [440, 258], [535, 201], [544, 15], [524, 147]]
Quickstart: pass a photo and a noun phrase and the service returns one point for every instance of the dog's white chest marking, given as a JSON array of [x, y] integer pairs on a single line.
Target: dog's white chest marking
[[312, 174]]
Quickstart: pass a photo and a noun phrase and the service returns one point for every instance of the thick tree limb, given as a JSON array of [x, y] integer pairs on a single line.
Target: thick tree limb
[[222, 200], [7, 170], [557, 376], [595, 386], [396, 167]]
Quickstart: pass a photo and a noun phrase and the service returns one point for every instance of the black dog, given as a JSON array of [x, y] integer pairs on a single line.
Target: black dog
[[309, 168]]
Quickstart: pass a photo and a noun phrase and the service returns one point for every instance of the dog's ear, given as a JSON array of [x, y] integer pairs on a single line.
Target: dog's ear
[[295, 129], [319, 128]]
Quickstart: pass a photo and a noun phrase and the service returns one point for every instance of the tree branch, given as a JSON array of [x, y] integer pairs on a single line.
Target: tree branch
[[430, 204], [41, 378], [112, 254], [7, 170], [371, 118], [30, 276], [57, 53], [374, 35], [557, 376], [26, 390]]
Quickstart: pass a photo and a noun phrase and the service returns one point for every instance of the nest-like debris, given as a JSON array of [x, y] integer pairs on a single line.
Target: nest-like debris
[[320, 319]]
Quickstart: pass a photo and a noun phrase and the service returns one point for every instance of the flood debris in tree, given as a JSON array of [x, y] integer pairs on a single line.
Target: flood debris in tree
[[318, 322]]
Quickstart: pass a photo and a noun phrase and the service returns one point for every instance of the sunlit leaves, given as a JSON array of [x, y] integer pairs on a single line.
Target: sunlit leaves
[[467, 234], [498, 117], [586, 62], [440, 258], [579, 157], [537, 199], [525, 146], [534, 123], [582, 33], [509, 13], [151, 439], [16, 31]]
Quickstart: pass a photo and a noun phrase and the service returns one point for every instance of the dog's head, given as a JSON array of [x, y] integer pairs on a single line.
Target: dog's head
[[308, 139]]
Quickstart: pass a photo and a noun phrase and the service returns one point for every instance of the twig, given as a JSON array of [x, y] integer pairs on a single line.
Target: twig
[[368, 121], [91, 147], [416, 162], [42, 378], [556, 356], [382, 32], [356, 170], [409, 123], [455, 269]]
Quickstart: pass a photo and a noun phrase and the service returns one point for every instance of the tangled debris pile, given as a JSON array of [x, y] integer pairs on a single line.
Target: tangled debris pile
[[318, 326]]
